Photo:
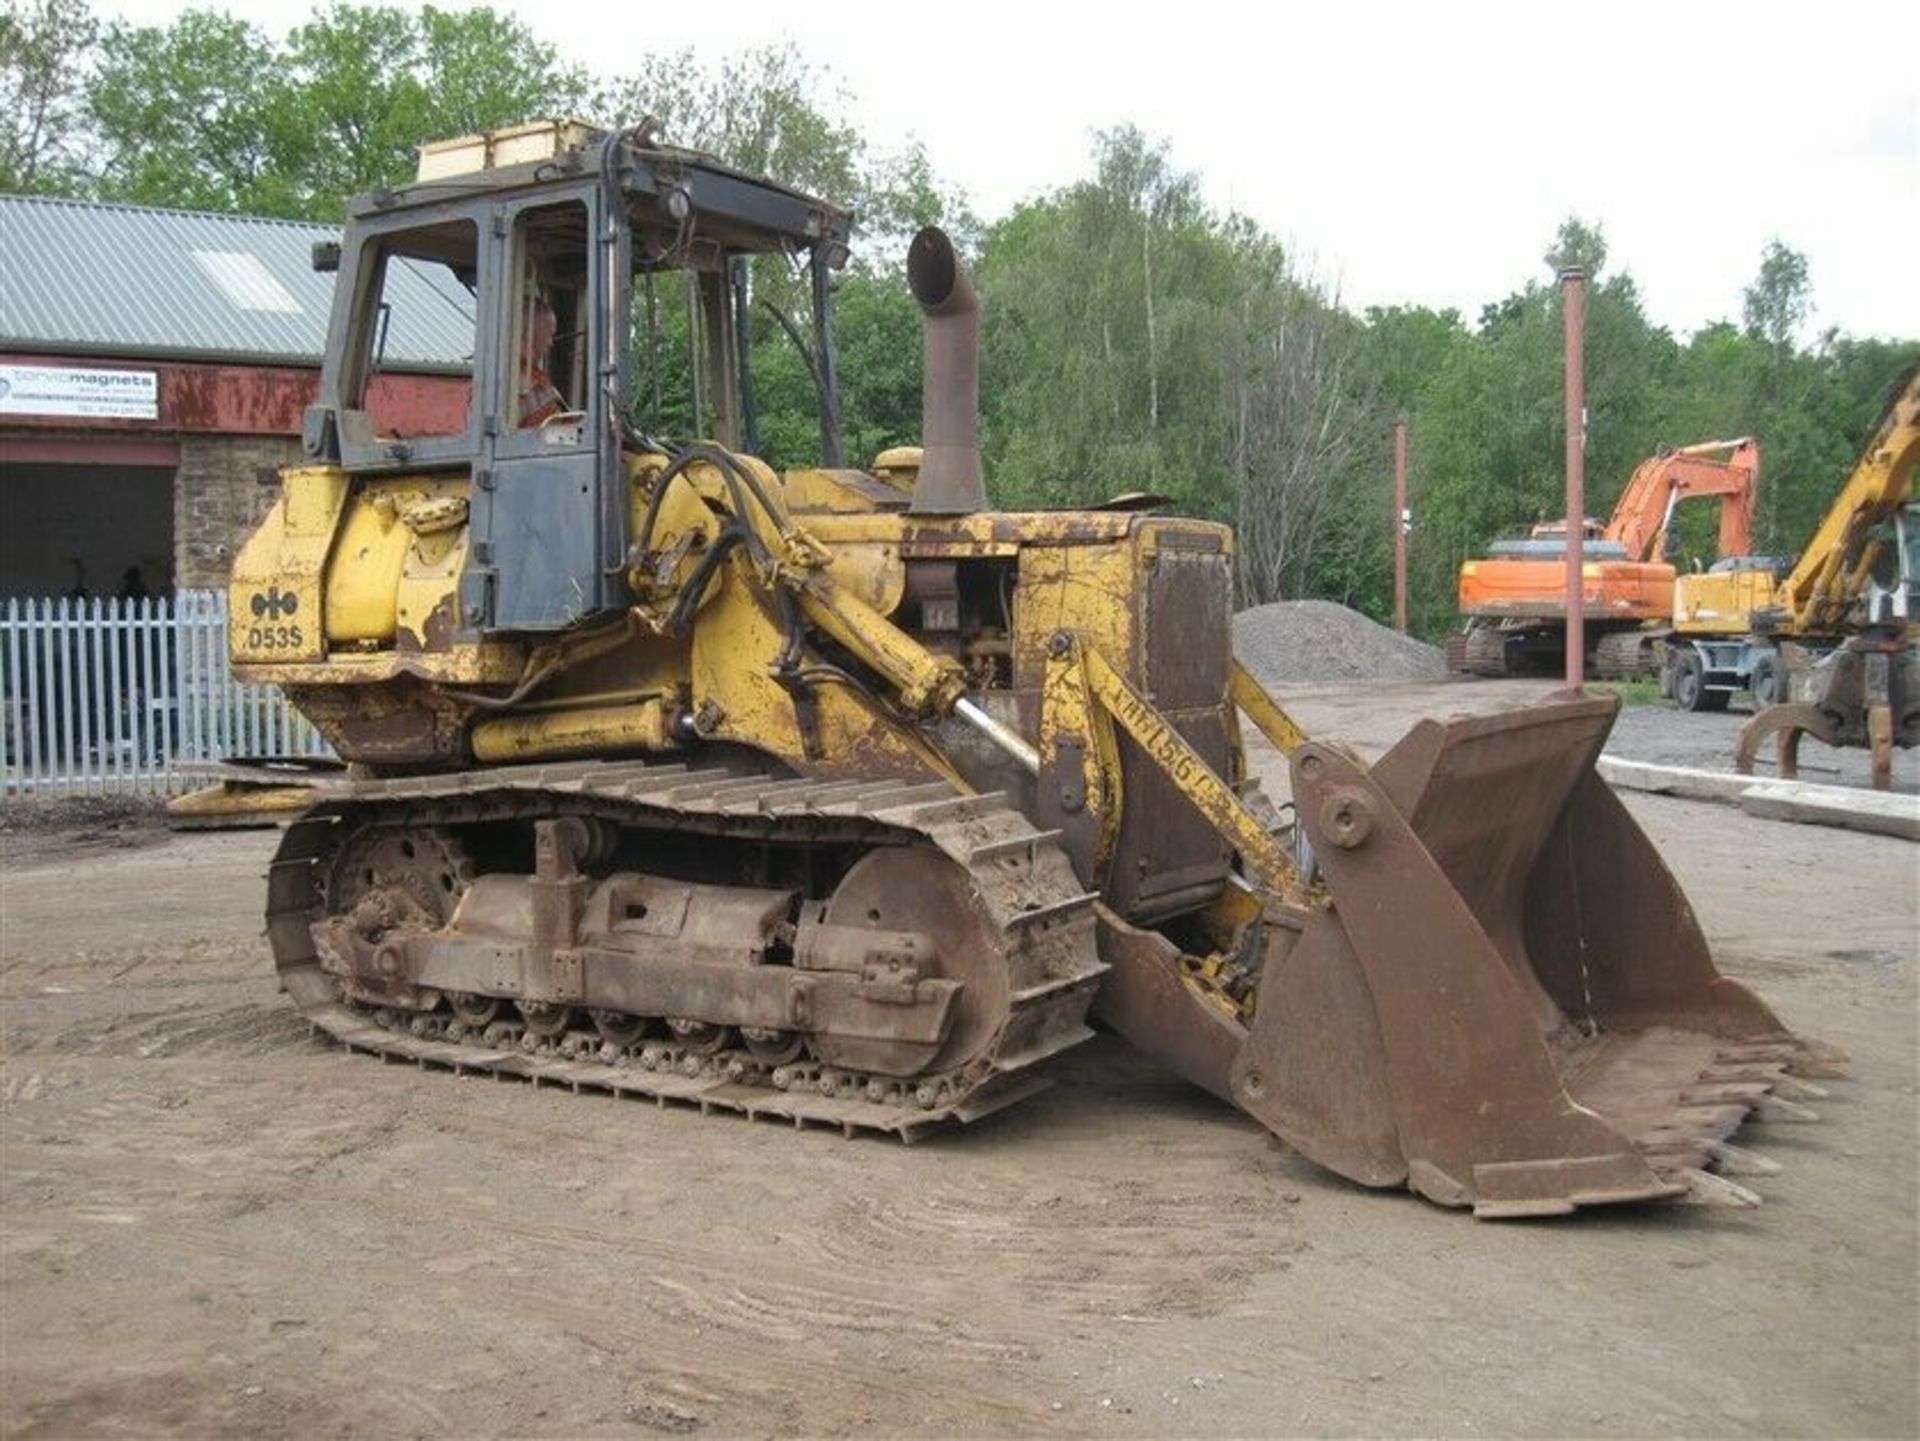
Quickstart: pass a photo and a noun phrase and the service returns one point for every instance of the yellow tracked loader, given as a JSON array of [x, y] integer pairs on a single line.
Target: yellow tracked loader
[[836, 796]]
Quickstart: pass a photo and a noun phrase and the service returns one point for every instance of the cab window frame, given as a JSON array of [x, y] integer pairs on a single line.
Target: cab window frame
[[362, 282], [578, 388]]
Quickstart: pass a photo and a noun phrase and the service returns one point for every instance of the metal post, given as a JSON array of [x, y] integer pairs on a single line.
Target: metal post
[[1573, 296], [653, 353], [743, 346], [723, 375], [833, 453], [1402, 521], [1002, 735], [696, 355]]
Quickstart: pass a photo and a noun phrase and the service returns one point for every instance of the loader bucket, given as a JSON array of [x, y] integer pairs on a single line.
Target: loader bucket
[[1508, 1002]]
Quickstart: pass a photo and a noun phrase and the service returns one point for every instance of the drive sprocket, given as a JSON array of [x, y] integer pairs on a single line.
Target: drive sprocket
[[385, 878]]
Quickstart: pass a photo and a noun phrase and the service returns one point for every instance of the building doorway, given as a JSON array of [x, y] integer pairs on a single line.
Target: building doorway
[[86, 531]]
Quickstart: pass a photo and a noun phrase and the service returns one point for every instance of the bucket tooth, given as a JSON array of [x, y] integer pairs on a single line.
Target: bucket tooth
[[1706, 1189], [1792, 1088], [1778, 1109], [1723, 1075], [1745, 1093], [1816, 1058], [1732, 1160]]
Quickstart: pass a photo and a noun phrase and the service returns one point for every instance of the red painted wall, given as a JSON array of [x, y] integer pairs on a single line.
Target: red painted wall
[[255, 399]]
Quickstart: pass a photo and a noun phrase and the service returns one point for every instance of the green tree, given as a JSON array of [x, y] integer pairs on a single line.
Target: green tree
[[482, 69], [357, 108], [45, 46], [370, 84], [186, 114], [1404, 352], [1107, 312], [1577, 246], [1776, 304], [1136, 341], [209, 113], [771, 111]]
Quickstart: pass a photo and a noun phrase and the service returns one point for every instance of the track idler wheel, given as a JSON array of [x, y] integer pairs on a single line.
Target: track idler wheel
[[915, 889], [386, 879]]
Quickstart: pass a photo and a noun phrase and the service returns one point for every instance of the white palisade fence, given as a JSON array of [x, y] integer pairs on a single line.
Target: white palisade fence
[[114, 697]]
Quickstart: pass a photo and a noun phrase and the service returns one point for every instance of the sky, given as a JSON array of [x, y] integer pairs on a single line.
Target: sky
[[1415, 154]]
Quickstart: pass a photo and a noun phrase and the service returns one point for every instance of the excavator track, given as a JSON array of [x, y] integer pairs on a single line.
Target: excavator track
[[1627, 655], [1485, 650], [1036, 933], [1502, 651]]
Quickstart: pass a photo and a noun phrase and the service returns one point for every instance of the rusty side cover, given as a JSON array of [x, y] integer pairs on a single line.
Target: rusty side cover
[[1169, 858]]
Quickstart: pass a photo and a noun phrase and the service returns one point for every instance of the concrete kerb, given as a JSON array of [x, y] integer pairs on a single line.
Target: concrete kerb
[[1876, 812]]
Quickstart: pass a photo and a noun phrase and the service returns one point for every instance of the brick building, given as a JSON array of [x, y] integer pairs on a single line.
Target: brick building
[[154, 366]]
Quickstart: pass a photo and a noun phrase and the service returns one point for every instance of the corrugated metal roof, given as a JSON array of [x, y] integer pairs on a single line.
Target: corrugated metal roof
[[77, 277]]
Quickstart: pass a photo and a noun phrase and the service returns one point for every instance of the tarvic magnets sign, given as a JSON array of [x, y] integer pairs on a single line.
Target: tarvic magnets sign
[[98, 394]]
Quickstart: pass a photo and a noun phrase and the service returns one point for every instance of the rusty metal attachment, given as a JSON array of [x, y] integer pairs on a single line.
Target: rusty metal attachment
[[1508, 1003], [1866, 694], [1470, 974]]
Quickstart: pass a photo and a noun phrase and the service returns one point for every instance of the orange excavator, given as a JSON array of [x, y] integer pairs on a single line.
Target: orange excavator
[[1515, 599]]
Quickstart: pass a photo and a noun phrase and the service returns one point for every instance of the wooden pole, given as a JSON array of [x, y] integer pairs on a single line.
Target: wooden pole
[[1402, 522]]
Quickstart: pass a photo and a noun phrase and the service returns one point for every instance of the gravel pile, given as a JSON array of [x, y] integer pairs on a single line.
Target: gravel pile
[[1310, 642]]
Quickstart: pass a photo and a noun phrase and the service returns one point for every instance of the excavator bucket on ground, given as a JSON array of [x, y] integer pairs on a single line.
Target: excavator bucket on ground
[[1510, 1001], [1498, 994]]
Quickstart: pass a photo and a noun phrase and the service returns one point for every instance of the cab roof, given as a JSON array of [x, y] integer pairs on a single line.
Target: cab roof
[[669, 188]]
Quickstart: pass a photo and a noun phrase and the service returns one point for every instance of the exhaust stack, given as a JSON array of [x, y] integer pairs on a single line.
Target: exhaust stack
[[951, 481]]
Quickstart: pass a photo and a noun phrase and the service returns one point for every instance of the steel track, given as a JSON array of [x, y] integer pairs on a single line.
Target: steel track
[[1041, 919]]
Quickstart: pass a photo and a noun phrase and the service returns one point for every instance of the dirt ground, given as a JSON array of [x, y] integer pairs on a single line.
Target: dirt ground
[[212, 1224]]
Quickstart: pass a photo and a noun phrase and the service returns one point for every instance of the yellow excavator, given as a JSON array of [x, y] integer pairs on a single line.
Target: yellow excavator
[[837, 797], [1830, 648]]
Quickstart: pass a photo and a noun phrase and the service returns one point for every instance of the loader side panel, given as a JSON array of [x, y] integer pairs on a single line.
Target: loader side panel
[[1169, 857], [1156, 601]]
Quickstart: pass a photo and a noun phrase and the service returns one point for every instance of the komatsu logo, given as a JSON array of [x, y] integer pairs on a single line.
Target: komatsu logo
[[274, 604]]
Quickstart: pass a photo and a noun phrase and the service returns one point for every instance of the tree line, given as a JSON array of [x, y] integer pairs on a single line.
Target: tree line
[[1136, 338]]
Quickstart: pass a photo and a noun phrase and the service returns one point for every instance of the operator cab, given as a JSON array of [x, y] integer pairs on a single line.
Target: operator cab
[[1893, 586], [597, 286]]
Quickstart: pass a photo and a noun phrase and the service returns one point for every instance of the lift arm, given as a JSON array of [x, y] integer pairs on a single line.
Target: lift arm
[[1834, 567]]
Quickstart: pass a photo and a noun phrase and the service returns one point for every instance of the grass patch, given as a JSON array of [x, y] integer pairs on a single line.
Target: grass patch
[[1631, 692]]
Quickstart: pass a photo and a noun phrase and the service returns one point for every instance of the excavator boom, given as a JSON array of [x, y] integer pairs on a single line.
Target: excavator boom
[[1833, 571], [1840, 630], [1728, 470]]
